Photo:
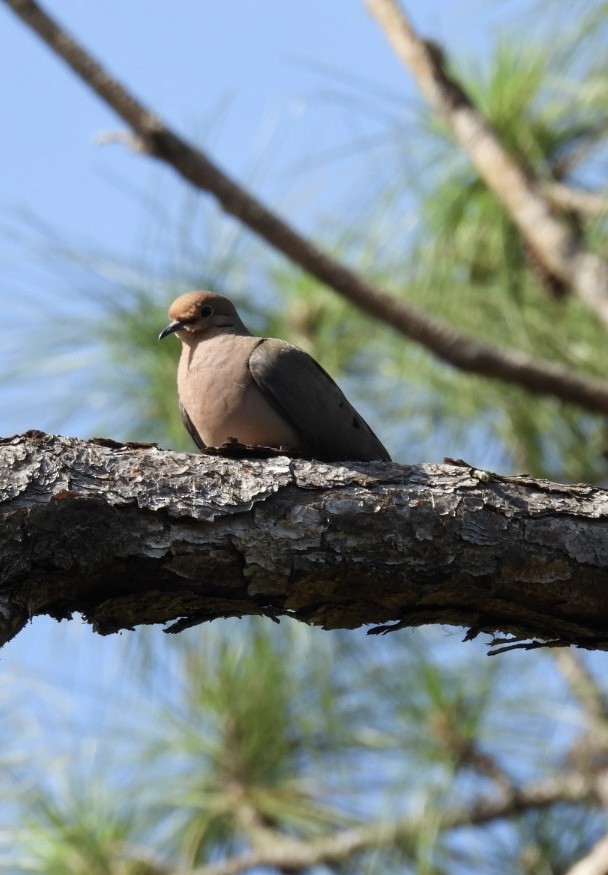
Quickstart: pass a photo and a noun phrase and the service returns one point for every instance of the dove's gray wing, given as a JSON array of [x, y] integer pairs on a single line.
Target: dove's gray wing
[[307, 397]]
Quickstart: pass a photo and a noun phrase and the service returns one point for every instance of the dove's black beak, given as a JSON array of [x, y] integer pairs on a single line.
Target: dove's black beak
[[171, 327]]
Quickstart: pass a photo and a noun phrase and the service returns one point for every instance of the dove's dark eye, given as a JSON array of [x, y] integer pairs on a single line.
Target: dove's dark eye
[[206, 311]]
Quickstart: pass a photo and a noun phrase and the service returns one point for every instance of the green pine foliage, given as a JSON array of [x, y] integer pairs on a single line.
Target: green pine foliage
[[268, 734]]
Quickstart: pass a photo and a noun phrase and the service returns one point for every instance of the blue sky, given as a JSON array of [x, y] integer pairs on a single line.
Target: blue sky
[[260, 68], [255, 83], [242, 76], [280, 93]]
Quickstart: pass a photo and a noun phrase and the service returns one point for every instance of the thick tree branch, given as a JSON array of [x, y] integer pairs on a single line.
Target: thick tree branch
[[453, 346], [520, 193], [128, 535]]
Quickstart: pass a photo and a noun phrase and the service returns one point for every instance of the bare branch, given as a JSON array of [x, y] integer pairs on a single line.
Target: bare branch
[[336, 848], [518, 190], [453, 346]]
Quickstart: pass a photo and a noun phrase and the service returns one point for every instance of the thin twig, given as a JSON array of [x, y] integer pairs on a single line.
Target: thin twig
[[518, 190], [453, 346]]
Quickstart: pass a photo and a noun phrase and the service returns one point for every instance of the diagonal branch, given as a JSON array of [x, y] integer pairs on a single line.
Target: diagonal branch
[[453, 346], [518, 190]]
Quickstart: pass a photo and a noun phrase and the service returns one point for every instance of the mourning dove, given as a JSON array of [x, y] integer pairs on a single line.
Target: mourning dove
[[258, 390]]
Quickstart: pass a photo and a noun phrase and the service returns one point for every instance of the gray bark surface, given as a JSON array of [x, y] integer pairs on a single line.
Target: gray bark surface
[[130, 534]]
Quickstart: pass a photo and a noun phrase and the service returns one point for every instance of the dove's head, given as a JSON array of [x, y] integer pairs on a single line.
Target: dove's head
[[195, 313]]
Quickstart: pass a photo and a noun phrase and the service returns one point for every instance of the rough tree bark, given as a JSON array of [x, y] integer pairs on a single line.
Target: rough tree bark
[[129, 534]]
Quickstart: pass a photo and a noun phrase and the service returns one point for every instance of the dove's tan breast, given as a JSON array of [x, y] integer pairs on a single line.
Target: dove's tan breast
[[222, 399]]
